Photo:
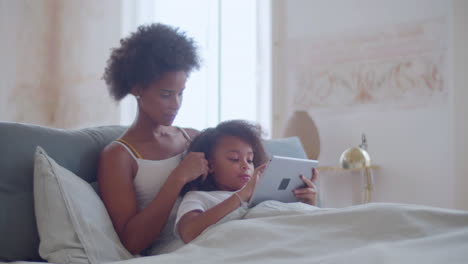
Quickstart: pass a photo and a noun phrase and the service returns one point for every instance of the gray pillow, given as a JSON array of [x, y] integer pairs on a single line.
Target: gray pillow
[[287, 147], [73, 223]]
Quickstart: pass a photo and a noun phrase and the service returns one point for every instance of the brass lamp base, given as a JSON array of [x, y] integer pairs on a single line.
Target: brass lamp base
[[358, 158]]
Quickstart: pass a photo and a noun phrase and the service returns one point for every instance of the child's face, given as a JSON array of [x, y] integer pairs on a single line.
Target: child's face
[[232, 163]]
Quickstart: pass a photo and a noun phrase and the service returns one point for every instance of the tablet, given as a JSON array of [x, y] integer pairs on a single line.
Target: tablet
[[280, 178]]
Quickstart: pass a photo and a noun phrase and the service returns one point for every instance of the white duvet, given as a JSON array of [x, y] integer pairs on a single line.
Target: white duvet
[[274, 232]]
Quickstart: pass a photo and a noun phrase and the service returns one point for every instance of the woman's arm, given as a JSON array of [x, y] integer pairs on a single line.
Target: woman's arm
[[195, 222], [138, 229]]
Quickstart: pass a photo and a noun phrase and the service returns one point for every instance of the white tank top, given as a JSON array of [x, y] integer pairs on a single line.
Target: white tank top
[[150, 176]]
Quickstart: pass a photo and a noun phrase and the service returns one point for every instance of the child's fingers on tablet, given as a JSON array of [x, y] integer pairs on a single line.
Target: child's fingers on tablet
[[261, 168], [314, 175], [307, 182], [306, 198], [306, 191]]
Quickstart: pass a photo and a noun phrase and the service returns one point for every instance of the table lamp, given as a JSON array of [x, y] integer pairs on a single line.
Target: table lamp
[[358, 158]]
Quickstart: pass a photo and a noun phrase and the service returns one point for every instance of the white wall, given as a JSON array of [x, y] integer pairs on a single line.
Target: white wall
[[460, 107], [26, 57], [53, 55], [410, 130], [87, 32]]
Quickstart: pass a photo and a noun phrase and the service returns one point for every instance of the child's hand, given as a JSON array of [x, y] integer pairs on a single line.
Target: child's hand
[[193, 166], [308, 194], [246, 192]]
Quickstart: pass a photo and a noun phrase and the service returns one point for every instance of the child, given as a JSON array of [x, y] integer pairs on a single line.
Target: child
[[236, 160]]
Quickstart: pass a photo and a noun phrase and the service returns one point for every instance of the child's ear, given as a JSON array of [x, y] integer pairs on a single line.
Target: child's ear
[[210, 167], [136, 90]]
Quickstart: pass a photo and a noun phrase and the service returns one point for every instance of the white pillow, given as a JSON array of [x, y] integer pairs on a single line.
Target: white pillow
[[73, 223]]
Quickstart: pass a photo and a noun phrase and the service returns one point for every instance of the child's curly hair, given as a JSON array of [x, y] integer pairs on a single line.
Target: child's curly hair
[[207, 140], [146, 55]]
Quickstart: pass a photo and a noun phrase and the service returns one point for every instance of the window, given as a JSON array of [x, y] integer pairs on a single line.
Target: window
[[229, 84]]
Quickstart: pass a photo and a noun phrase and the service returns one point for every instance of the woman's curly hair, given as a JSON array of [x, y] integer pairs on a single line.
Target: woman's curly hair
[[209, 138], [146, 55]]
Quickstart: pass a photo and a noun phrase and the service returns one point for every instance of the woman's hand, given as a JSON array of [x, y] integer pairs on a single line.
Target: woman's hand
[[246, 192], [308, 194], [192, 166]]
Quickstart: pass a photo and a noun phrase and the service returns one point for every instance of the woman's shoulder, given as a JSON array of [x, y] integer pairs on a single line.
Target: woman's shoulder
[[191, 132], [114, 152]]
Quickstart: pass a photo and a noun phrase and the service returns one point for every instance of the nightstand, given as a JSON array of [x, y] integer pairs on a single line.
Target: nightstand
[[366, 171]]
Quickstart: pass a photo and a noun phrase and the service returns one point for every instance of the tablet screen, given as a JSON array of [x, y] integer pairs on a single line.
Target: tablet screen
[[280, 178]]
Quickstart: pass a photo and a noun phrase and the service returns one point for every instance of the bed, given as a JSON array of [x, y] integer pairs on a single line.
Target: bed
[[271, 232]]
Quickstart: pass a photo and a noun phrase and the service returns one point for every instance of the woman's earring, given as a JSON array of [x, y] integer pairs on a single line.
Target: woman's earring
[[137, 97]]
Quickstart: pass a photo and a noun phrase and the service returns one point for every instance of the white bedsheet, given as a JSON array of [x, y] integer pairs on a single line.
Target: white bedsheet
[[296, 233], [273, 232]]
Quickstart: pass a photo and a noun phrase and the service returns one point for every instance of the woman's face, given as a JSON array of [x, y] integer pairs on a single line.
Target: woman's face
[[161, 100], [232, 163]]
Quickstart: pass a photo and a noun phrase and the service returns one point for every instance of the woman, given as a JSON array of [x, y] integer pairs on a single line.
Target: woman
[[141, 174]]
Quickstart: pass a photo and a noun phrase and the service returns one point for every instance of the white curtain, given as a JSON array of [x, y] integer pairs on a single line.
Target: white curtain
[[233, 82]]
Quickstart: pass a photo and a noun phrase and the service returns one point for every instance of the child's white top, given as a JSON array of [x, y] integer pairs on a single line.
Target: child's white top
[[200, 200], [203, 201]]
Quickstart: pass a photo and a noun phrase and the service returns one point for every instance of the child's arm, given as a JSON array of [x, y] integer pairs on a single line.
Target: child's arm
[[194, 222], [191, 224]]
